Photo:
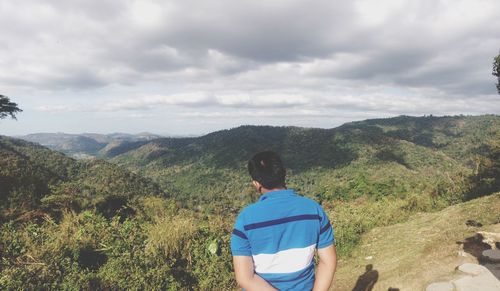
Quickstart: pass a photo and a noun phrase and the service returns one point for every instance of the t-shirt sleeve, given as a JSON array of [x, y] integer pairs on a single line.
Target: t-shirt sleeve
[[240, 246], [326, 236]]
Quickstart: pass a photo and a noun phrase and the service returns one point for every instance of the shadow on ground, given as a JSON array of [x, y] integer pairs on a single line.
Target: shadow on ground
[[367, 280], [475, 246]]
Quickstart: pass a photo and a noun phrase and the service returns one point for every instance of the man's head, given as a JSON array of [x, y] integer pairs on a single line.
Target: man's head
[[266, 169]]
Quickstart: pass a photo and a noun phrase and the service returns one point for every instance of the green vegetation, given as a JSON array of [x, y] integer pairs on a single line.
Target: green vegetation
[[496, 71], [397, 157], [68, 224], [35, 179], [158, 215], [8, 108], [167, 251]]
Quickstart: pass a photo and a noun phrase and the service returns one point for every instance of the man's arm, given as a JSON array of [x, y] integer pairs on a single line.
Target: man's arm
[[246, 277], [326, 268]]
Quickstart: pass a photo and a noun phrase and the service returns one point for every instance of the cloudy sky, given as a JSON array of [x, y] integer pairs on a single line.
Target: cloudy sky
[[191, 67]]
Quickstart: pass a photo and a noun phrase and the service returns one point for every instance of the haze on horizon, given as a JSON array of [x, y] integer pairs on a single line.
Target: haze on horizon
[[190, 67]]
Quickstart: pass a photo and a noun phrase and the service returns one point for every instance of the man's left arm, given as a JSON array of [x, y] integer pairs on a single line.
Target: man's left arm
[[326, 268], [246, 277], [327, 254]]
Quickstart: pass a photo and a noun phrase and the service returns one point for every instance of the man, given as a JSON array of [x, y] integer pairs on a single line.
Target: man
[[274, 239]]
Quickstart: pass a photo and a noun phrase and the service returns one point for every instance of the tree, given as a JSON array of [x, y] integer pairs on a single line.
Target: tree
[[8, 108], [496, 70], [486, 175]]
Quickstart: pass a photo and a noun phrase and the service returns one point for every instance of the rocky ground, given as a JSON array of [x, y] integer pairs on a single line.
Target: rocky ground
[[445, 249], [473, 277]]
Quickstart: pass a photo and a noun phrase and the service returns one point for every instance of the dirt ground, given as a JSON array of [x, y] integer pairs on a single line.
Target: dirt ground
[[426, 249]]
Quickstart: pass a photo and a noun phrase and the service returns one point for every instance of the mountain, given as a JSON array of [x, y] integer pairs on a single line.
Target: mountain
[[33, 177], [403, 156], [403, 194], [86, 144], [117, 147]]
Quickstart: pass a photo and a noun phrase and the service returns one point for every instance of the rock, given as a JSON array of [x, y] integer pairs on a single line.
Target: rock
[[480, 278], [492, 256], [494, 269], [482, 282], [472, 269], [490, 238], [440, 286], [369, 258], [462, 253], [477, 278]]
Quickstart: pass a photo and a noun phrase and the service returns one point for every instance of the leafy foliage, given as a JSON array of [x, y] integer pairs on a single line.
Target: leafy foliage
[[88, 251], [496, 71], [35, 178], [8, 107]]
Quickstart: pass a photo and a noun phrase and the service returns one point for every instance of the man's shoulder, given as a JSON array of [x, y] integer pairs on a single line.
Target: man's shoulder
[[306, 201], [247, 209]]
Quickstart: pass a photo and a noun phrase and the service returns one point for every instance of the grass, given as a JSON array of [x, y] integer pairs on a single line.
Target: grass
[[413, 254]]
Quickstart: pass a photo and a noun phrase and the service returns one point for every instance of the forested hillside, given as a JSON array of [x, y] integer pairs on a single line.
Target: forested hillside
[[92, 225], [34, 178], [158, 215], [448, 158]]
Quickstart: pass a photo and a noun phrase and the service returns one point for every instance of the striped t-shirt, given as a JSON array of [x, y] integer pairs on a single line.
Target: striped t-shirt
[[281, 232]]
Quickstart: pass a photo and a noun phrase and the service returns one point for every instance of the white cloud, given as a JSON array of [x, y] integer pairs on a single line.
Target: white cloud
[[386, 57]]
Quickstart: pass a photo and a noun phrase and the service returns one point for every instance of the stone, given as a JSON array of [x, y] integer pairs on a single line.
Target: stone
[[369, 258], [472, 269], [440, 286], [482, 282], [494, 269], [476, 278], [492, 256], [490, 238]]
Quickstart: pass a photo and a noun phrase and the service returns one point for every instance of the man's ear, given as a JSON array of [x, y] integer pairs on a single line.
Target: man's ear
[[258, 186]]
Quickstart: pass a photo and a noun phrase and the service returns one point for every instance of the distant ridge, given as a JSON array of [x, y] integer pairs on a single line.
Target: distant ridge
[[234, 145], [87, 144], [452, 156]]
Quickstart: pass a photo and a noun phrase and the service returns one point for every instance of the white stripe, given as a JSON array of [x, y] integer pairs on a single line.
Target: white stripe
[[287, 261]]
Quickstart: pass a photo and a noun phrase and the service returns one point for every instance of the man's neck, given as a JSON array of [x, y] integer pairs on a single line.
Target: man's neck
[[265, 190]]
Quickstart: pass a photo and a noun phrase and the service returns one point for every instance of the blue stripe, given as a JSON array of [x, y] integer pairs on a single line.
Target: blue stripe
[[239, 233], [288, 277], [281, 221], [325, 228]]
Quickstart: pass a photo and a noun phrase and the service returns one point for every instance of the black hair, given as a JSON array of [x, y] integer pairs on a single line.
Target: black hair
[[267, 169]]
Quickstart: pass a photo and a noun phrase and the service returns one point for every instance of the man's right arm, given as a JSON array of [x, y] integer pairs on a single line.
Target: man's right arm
[[326, 268], [246, 277]]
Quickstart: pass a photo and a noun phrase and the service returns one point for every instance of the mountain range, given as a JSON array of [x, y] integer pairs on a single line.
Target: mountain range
[[87, 145], [157, 212], [402, 156]]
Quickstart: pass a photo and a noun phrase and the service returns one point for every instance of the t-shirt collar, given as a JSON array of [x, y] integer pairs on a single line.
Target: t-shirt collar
[[276, 193]]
